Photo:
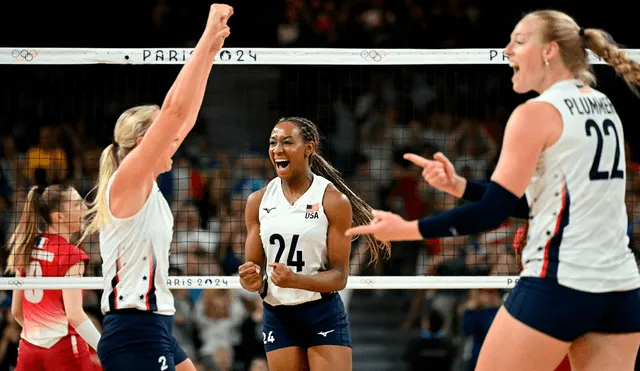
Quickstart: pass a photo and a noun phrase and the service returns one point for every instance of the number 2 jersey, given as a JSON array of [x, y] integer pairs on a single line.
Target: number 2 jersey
[[578, 217], [294, 235], [45, 319]]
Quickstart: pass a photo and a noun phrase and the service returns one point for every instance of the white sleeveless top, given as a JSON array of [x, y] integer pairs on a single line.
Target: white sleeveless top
[[578, 216], [295, 235], [135, 257]]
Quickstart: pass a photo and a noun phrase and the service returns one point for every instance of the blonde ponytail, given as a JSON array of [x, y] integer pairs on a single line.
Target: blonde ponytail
[[131, 125], [601, 43], [98, 213]]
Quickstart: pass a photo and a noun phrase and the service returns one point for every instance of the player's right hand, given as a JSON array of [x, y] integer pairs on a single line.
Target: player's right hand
[[250, 276], [439, 172], [217, 27]]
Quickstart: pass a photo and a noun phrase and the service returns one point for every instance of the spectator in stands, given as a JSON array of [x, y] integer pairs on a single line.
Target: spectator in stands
[[9, 343], [191, 239], [232, 237], [259, 364], [183, 323], [363, 184], [251, 177], [251, 346], [478, 313], [432, 351], [46, 162], [219, 314]]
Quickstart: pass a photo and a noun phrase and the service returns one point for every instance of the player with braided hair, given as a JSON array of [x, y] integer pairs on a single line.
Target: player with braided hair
[[298, 255], [562, 167]]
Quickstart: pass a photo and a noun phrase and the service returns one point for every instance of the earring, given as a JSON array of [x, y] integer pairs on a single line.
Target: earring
[[546, 62]]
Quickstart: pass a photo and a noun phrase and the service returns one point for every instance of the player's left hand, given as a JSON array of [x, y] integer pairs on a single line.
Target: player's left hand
[[387, 226], [281, 275]]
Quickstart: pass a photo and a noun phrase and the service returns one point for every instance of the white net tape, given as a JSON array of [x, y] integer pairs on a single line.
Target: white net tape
[[264, 56], [232, 282]]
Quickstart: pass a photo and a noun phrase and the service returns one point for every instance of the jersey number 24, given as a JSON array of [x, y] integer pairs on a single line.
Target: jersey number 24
[[609, 128], [297, 262]]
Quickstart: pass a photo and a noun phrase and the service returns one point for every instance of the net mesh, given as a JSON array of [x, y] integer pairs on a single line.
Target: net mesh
[[56, 119]]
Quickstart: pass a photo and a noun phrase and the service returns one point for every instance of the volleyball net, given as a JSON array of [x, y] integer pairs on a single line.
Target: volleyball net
[[59, 107]]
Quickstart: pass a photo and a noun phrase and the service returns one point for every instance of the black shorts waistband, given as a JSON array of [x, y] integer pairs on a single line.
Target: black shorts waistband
[[131, 311], [323, 297]]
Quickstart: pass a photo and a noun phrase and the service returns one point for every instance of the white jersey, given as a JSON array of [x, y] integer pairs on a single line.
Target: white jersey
[[295, 235], [578, 217], [135, 258]]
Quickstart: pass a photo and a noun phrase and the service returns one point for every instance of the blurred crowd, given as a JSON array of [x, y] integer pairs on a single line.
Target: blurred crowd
[[368, 134]]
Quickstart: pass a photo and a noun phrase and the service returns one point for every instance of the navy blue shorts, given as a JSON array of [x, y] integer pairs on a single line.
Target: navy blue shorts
[[567, 314], [319, 322], [136, 340]]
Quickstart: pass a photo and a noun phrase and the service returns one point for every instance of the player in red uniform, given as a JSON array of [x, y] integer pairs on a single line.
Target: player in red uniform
[[51, 320]]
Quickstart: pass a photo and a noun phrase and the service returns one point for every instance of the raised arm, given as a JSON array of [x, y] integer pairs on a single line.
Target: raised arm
[[175, 119]]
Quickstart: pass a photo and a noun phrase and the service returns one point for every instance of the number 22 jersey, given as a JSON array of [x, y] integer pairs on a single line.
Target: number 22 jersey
[[578, 216], [294, 235]]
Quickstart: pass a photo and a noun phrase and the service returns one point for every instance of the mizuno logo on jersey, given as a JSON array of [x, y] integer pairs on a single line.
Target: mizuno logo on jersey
[[268, 209], [311, 211]]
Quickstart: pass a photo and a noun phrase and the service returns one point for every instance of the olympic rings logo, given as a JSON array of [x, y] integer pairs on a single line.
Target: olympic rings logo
[[367, 281], [374, 55], [24, 55], [17, 283]]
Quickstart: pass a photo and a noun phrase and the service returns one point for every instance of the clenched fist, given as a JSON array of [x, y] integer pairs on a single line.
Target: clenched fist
[[282, 276], [250, 277], [217, 27]]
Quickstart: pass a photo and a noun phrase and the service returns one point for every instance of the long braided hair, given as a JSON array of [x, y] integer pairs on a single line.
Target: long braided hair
[[362, 212]]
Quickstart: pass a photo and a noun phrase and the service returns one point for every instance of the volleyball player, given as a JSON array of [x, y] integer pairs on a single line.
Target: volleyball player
[[579, 291], [298, 255], [51, 320], [135, 222]]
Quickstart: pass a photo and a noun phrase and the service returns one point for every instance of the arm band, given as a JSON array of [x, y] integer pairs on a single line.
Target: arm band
[[495, 206], [89, 333], [475, 190]]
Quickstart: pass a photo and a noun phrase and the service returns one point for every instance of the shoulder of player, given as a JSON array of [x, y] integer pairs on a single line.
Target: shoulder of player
[[64, 249], [53, 241], [252, 208], [335, 202], [255, 198], [533, 116]]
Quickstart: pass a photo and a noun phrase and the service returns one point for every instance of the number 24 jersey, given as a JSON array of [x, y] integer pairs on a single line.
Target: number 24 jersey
[[294, 235]]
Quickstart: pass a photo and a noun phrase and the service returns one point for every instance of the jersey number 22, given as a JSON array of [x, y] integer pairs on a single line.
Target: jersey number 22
[[595, 173], [298, 262]]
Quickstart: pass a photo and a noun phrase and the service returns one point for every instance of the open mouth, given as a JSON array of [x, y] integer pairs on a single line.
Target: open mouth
[[282, 164], [515, 67]]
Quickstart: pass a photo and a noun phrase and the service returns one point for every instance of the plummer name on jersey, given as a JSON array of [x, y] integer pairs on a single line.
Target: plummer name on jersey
[[589, 106]]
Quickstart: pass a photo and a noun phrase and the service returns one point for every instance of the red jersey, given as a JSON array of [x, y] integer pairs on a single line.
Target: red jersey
[[45, 320]]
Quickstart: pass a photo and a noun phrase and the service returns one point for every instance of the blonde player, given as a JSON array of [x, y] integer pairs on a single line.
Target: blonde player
[[296, 237], [51, 320], [135, 222], [579, 291]]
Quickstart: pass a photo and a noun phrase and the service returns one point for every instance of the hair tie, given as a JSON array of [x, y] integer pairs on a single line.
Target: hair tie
[[114, 152], [581, 32]]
